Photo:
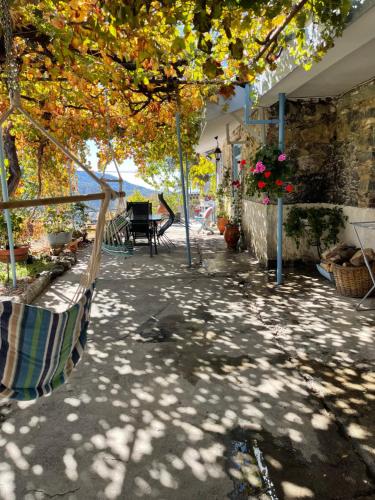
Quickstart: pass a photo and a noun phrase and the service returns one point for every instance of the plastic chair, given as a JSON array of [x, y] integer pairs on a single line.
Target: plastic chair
[[204, 221]]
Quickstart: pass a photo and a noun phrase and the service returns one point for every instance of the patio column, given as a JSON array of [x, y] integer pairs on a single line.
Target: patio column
[[182, 174], [279, 271]]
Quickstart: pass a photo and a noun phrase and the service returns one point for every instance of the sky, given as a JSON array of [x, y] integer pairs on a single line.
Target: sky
[[128, 168]]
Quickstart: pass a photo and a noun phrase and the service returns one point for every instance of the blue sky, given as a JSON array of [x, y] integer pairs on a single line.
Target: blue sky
[[128, 168]]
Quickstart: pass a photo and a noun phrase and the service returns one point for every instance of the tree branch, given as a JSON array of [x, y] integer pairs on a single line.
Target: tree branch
[[10, 150]]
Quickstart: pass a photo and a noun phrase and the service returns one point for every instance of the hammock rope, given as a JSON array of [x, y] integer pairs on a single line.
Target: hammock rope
[[116, 239]]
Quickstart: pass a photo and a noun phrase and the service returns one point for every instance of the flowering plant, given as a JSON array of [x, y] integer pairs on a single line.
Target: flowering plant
[[268, 174], [236, 202]]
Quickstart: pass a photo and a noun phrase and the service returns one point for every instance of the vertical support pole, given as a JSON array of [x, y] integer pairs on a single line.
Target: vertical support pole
[[247, 104], [178, 127], [8, 219], [263, 132], [279, 271], [187, 173]]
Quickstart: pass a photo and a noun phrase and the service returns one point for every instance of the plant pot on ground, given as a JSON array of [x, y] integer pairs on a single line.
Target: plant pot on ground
[[59, 239], [58, 224], [21, 247], [222, 220], [232, 235], [21, 254]]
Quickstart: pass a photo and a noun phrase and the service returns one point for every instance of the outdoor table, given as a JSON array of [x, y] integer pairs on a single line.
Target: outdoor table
[[366, 225], [153, 221]]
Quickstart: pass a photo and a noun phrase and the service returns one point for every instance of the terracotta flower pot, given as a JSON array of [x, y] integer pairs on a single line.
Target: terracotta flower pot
[[20, 254], [232, 235], [221, 223]]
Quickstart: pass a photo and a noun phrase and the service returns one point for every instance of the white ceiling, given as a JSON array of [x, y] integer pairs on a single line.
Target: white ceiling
[[357, 67]]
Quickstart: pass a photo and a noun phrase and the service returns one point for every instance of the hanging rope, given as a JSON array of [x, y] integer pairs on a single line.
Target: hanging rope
[[121, 205]]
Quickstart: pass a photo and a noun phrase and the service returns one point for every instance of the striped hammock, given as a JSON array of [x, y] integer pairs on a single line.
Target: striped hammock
[[39, 348], [116, 236]]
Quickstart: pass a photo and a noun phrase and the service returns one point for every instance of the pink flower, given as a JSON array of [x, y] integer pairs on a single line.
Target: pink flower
[[282, 157], [266, 200], [259, 167]]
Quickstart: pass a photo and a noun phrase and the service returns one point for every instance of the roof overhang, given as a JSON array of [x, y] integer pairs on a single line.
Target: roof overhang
[[349, 63], [217, 116]]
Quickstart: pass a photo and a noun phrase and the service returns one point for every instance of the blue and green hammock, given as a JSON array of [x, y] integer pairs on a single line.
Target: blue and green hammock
[[116, 237], [40, 348]]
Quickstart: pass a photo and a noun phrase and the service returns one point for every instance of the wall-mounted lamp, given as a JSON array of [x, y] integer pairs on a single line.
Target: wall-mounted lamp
[[217, 151]]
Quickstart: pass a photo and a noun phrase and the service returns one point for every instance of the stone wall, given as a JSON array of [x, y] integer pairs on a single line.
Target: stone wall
[[333, 141], [355, 131]]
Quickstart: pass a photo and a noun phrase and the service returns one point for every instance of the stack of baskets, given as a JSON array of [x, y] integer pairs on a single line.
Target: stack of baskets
[[353, 281]]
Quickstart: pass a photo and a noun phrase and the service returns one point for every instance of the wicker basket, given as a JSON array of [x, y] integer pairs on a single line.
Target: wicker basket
[[352, 281]]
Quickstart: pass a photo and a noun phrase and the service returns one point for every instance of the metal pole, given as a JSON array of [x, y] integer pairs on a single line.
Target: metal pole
[[178, 127], [247, 104], [279, 272], [8, 219], [187, 187]]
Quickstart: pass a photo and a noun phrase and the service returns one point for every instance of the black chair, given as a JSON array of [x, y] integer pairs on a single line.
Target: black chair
[[166, 224], [139, 213]]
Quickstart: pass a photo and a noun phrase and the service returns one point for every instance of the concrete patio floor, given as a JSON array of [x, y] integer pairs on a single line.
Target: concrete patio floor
[[187, 374]]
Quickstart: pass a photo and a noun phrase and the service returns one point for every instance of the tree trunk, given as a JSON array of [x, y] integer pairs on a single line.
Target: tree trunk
[[11, 154]]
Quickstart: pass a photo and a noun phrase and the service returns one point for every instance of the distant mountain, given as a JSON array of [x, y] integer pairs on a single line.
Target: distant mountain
[[87, 185]]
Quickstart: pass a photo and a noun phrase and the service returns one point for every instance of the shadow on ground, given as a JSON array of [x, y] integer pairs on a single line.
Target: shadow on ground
[[186, 374]]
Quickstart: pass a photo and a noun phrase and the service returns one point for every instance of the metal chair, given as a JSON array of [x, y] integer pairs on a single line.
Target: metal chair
[[139, 213], [166, 224]]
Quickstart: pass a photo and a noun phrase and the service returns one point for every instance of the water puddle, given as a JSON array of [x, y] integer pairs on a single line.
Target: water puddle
[[270, 488], [249, 472]]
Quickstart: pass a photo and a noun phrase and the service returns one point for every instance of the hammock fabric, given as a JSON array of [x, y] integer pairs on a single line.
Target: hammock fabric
[[40, 348], [116, 236]]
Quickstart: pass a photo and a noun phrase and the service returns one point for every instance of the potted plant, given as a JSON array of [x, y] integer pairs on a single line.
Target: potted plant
[[268, 175], [58, 224], [222, 219], [232, 234], [21, 250], [319, 226], [232, 231]]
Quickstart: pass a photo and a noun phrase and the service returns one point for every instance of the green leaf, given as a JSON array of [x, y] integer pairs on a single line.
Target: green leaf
[[112, 30]]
